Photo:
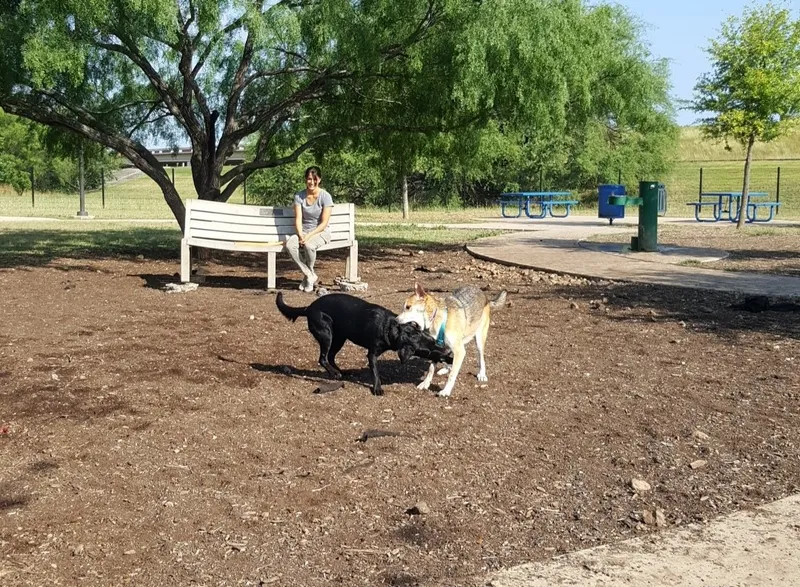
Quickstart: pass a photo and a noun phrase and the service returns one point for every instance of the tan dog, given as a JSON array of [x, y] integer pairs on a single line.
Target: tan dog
[[453, 320]]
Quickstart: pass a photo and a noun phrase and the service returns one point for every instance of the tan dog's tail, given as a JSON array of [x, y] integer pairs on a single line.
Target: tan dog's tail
[[499, 300]]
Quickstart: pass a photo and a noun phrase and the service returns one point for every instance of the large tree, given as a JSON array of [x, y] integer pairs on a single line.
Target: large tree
[[288, 74], [753, 92]]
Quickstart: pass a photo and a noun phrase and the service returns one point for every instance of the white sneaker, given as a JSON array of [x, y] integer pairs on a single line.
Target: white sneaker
[[303, 285], [310, 283]]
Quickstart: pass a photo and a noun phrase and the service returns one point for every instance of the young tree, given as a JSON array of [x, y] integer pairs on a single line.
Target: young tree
[[754, 90]]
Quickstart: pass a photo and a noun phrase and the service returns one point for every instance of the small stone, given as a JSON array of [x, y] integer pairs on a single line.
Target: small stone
[[54, 376], [640, 485], [698, 464], [700, 435], [129, 552], [78, 550], [654, 518], [574, 305], [420, 509]]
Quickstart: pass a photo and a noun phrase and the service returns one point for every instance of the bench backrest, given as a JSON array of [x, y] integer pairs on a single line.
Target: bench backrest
[[257, 224]]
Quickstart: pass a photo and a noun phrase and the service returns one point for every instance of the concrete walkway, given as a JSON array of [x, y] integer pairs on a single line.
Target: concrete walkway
[[559, 245], [751, 548]]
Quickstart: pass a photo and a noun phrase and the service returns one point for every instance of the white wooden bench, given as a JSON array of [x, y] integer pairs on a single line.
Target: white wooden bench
[[259, 229]]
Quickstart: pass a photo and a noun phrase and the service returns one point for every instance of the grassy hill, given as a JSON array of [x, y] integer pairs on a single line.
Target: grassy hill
[[695, 148]]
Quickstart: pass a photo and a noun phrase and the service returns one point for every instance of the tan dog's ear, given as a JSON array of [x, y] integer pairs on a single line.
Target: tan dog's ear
[[419, 290]]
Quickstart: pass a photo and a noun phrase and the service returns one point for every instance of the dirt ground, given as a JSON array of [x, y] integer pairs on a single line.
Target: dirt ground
[[151, 438]]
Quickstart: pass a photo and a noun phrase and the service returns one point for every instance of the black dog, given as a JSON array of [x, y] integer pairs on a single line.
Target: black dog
[[335, 318]]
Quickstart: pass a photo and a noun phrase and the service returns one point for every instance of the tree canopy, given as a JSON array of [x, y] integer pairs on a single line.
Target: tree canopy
[[753, 92], [553, 83]]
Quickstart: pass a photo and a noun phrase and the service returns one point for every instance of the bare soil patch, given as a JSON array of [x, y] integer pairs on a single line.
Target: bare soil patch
[[150, 438]]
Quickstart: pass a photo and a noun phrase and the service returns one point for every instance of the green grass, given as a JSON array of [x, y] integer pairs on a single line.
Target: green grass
[[410, 235], [36, 243], [137, 198], [722, 171]]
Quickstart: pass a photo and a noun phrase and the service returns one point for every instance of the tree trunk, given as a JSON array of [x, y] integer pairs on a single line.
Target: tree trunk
[[81, 186], [405, 197], [743, 201]]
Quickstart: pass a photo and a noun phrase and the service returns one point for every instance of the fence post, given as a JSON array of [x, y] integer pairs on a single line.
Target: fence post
[[701, 181], [103, 187], [541, 180], [619, 177], [778, 191], [33, 190], [244, 186], [173, 176]]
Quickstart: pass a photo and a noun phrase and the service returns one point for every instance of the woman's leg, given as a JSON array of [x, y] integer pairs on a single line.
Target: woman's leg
[[311, 247], [293, 247]]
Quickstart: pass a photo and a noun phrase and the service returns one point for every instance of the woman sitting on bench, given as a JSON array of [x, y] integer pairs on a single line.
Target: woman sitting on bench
[[312, 211]]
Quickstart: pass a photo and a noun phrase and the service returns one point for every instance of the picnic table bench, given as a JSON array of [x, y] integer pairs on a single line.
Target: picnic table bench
[[536, 204], [259, 229], [725, 206]]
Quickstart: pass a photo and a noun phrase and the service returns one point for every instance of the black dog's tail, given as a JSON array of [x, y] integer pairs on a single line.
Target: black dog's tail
[[288, 311]]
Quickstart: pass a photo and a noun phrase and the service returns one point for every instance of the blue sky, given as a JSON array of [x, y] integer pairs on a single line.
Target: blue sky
[[679, 30]]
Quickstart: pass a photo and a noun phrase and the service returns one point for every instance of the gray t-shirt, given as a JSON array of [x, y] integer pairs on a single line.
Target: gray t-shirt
[[312, 213]]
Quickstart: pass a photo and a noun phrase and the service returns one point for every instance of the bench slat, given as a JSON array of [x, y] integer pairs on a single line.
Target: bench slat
[[257, 247], [225, 225], [249, 219], [213, 233], [259, 211]]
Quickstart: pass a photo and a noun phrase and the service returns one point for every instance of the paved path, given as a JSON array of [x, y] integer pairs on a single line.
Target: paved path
[[750, 548], [559, 246]]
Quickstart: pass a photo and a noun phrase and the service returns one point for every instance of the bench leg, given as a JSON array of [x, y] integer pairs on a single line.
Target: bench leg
[[351, 265], [272, 259], [186, 262]]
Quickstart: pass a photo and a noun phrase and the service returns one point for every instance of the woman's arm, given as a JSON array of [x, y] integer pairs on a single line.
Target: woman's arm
[[298, 221]]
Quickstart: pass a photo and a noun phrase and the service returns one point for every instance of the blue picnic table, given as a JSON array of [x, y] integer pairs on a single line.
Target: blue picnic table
[[725, 206], [536, 204]]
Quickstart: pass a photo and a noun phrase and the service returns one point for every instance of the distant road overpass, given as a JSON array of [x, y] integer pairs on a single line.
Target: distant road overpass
[[181, 157]]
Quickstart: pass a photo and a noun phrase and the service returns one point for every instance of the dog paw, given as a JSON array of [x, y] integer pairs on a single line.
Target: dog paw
[[444, 393], [424, 385], [482, 377], [377, 391], [443, 371]]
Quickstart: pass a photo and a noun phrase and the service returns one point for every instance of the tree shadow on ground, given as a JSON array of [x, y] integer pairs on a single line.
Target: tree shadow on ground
[[722, 313], [775, 262], [37, 248]]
